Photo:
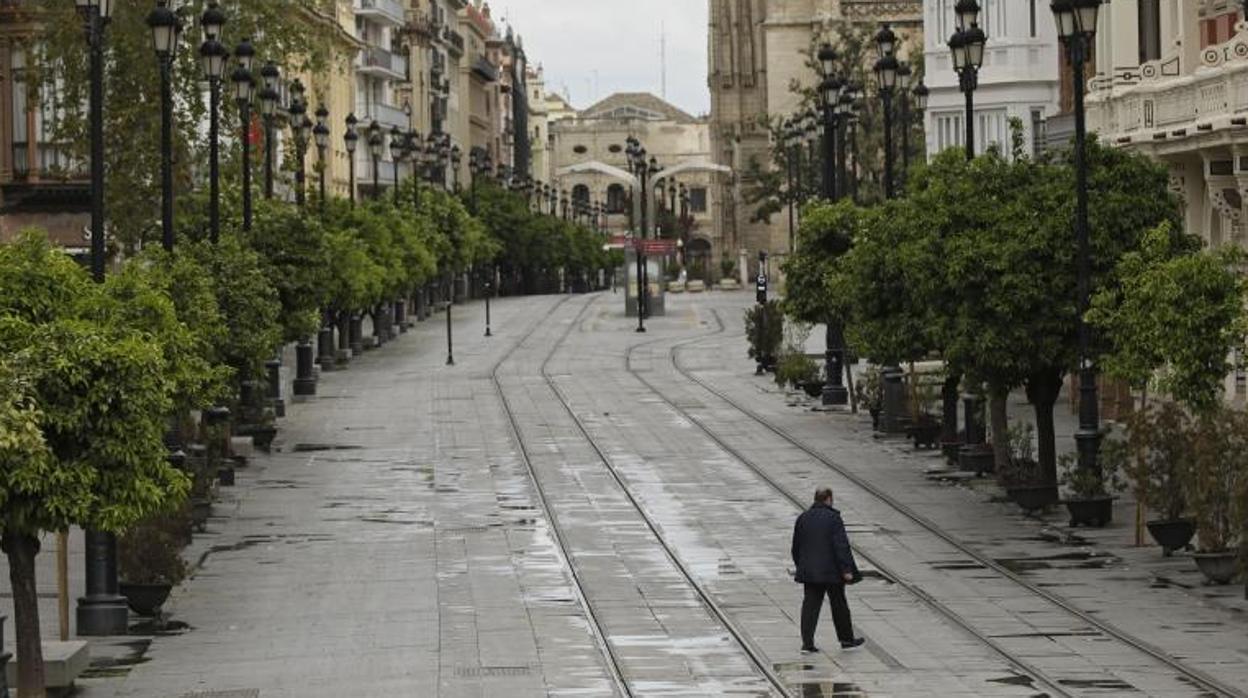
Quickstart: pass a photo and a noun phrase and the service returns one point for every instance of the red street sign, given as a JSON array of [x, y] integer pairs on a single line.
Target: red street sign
[[658, 247]]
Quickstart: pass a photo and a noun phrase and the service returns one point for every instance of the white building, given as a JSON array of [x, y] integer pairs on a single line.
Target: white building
[[380, 77], [1019, 78], [1172, 82]]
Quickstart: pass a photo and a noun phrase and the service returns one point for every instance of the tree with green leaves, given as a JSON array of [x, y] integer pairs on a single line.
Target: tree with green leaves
[[98, 394]]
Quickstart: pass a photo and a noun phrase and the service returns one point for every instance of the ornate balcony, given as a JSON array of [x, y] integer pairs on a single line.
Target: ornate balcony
[[384, 11]]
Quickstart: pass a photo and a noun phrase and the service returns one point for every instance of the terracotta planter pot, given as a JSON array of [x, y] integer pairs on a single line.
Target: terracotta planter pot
[[1093, 512], [1032, 498], [145, 599], [1172, 535], [1218, 568]]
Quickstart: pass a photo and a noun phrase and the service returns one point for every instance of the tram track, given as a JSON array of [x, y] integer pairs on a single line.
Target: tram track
[[755, 656], [1196, 677]]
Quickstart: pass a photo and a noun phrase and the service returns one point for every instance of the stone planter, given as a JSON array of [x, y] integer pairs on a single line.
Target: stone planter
[[1172, 535], [1093, 512], [145, 599], [978, 459], [1032, 498], [926, 434], [1218, 568]]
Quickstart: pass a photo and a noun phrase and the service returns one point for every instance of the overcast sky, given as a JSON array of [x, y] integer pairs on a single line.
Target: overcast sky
[[593, 48]]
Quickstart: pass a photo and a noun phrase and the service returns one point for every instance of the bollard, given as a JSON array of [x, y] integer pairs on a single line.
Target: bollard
[[273, 389], [305, 375], [357, 335], [326, 353]]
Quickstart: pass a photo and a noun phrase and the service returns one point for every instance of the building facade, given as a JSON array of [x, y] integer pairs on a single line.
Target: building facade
[[1018, 80], [756, 56], [598, 135], [1171, 81]]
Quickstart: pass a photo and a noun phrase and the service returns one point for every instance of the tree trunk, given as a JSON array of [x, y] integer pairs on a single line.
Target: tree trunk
[[949, 407], [21, 550], [999, 419], [1042, 391]]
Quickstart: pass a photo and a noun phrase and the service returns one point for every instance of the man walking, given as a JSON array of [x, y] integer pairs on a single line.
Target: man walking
[[825, 564]]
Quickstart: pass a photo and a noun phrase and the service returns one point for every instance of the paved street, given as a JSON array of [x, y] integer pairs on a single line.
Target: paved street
[[400, 542]]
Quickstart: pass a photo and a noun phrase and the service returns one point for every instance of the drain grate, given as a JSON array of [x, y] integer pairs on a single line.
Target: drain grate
[[238, 693], [491, 671]]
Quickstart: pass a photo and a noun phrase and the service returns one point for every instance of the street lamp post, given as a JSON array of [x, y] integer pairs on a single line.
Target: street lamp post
[[165, 29], [321, 134], [1076, 25], [831, 94], [101, 610], [270, 78], [886, 73], [789, 137], [351, 141], [213, 55], [375, 145], [398, 148], [244, 86], [966, 47], [903, 94]]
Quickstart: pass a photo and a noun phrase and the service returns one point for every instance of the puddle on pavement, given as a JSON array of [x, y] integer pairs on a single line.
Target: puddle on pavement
[[1083, 560], [314, 448], [829, 689], [1015, 680], [956, 565], [1098, 684], [1167, 583]]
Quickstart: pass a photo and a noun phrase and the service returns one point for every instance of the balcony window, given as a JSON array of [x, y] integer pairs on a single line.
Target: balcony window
[[615, 198], [48, 110]]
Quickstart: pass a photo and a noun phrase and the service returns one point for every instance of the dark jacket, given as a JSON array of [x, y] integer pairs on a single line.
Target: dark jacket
[[821, 551]]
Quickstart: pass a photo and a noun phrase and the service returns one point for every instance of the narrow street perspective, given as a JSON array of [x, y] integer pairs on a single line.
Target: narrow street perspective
[[542, 348]]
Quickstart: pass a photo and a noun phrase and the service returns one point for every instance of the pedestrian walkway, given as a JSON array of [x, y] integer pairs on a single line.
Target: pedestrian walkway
[[396, 542]]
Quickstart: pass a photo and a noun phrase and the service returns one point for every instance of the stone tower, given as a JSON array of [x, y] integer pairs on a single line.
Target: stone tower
[[755, 51]]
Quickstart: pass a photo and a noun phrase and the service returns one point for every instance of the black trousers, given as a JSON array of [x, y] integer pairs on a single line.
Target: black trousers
[[812, 604]]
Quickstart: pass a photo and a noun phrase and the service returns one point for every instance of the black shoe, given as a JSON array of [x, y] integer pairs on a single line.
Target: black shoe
[[809, 649], [853, 644]]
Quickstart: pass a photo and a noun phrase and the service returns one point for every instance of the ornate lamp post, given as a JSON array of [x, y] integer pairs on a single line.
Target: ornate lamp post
[[886, 74], [165, 31], [455, 160], [321, 134], [244, 87], [271, 79], [101, 610], [96, 15], [966, 47], [1076, 26], [398, 150], [351, 140], [903, 94], [376, 142], [830, 90], [213, 55]]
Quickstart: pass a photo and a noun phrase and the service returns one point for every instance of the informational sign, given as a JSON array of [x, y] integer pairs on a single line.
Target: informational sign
[[762, 287]]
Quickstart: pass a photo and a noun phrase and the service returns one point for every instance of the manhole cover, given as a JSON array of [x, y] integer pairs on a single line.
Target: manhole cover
[[487, 671], [238, 693]]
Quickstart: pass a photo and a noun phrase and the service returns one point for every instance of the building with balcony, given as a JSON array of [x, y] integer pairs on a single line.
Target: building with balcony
[[479, 85], [1171, 81], [1019, 78], [381, 77]]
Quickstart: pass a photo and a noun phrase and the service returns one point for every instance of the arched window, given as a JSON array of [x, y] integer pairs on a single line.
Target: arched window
[[615, 198], [580, 193]]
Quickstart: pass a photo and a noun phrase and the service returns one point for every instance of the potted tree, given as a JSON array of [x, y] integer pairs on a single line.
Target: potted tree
[[926, 429], [1022, 475], [1090, 495], [150, 563], [1216, 471], [764, 329], [870, 394], [1161, 439]]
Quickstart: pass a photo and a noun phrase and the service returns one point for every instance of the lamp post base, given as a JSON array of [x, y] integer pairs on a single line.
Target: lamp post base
[[835, 395], [305, 376]]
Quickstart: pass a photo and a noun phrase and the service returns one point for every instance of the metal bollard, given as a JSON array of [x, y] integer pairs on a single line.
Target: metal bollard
[[305, 376]]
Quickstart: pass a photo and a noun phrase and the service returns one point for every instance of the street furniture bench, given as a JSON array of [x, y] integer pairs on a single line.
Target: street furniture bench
[[63, 663]]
